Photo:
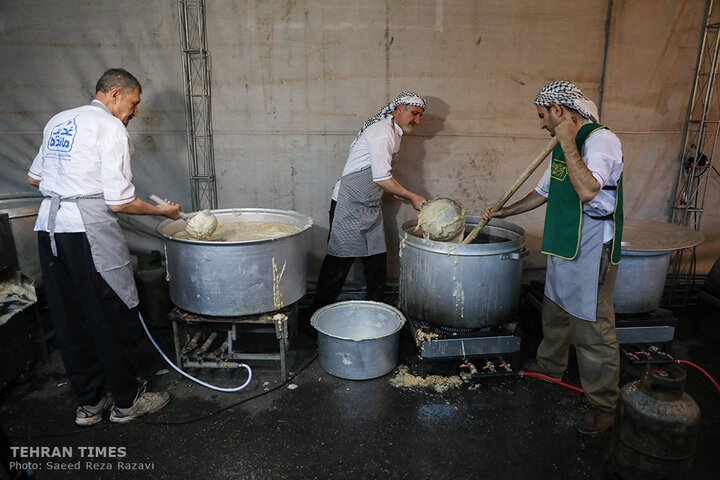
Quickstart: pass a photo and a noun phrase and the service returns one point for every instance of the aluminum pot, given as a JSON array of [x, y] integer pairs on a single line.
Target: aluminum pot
[[646, 249], [358, 339], [462, 286], [23, 212], [238, 278], [640, 281]]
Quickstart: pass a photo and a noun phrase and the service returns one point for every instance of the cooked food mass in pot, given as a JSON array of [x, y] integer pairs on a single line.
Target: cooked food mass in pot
[[442, 220], [244, 231]]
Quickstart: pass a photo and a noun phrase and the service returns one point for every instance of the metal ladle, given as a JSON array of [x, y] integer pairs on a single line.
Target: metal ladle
[[200, 225]]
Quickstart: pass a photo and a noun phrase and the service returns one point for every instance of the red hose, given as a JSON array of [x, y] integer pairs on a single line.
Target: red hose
[[549, 379], [703, 371]]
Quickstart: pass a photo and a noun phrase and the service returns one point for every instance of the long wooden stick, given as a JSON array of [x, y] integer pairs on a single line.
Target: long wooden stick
[[521, 179]]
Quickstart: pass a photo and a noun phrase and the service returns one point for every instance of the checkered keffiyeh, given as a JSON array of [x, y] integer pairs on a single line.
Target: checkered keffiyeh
[[567, 94], [405, 98]]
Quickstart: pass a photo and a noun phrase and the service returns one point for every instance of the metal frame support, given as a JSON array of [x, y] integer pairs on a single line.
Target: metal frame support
[[700, 146], [198, 112]]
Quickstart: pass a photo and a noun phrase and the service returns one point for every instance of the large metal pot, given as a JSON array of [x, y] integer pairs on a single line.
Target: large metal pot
[[646, 249], [640, 281], [23, 212], [238, 278], [462, 286], [357, 339]]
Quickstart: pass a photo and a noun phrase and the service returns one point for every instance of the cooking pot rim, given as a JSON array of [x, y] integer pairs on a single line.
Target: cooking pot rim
[[20, 207], [301, 219], [446, 248], [361, 303]]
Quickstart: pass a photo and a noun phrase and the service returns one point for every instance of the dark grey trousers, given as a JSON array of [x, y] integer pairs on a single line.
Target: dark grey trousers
[[95, 331]]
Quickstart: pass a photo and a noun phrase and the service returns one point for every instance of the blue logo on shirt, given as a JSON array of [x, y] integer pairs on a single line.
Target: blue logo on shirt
[[62, 138]]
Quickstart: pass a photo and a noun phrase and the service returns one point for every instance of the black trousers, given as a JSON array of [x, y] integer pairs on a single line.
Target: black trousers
[[334, 270], [95, 331]]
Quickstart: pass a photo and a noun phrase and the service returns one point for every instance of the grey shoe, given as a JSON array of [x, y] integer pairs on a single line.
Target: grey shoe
[[91, 414], [145, 403]]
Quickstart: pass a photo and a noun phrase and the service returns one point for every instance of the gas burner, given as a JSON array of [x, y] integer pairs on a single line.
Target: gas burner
[[435, 341], [445, 329]]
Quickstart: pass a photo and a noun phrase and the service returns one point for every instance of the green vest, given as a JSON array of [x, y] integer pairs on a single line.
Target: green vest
[[563, 218]]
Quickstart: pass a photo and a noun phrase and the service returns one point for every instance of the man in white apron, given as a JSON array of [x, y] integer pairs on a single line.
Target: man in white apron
[[83, 169], [356, 223], [582, 187]]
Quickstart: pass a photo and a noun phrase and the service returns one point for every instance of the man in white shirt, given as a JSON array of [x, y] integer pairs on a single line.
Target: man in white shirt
[[356, 224], [582, 187], [83, 170]]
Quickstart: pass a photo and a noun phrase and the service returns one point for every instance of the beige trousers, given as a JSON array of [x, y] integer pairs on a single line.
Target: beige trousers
[[596, 344]]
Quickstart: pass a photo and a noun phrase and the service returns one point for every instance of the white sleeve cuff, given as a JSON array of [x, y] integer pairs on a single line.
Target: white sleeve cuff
[[541, 191], [122, 201]]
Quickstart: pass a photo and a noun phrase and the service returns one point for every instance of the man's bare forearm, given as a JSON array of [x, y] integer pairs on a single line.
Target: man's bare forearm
[[139, 207], [583, 181], [531, 201], [394, 187]]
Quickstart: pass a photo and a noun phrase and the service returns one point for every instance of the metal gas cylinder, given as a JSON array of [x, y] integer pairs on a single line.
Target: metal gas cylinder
[[656, 427], [153, 291]]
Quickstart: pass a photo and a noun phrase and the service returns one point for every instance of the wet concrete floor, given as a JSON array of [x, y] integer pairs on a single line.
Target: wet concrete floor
[[316, 426]]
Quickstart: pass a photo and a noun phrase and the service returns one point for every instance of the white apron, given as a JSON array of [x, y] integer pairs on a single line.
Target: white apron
[[573, 284]]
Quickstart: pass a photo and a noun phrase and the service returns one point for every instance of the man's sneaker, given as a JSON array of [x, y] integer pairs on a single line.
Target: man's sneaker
[[92, 414], [145, 403], [595, 421]]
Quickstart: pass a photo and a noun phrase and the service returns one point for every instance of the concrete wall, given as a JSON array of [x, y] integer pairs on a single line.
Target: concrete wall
[[292, 82]]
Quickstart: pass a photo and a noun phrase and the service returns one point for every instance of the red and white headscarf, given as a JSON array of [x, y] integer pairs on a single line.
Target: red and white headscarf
[[567, 94], [405, 98]]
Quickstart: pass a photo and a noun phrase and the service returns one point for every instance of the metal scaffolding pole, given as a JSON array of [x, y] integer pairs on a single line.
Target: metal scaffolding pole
[[702, 127], [198, 112]]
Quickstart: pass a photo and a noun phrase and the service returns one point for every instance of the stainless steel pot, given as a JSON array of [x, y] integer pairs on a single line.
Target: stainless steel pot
[[640, 281], [462, 286], [238, 278], [646, 249], [358, 340]]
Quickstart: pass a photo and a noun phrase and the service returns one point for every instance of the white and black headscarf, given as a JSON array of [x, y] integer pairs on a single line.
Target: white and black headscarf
[[568, 95], [405, 98]]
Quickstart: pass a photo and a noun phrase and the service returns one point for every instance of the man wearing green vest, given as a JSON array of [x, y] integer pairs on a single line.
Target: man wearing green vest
[[582, 187]]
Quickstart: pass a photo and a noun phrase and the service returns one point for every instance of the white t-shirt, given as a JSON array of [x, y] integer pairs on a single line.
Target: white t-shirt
[[603, 157], [376, 147], [85, 151]]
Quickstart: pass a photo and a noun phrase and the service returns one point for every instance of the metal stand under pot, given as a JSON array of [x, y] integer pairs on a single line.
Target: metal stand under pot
[[203, 341]]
